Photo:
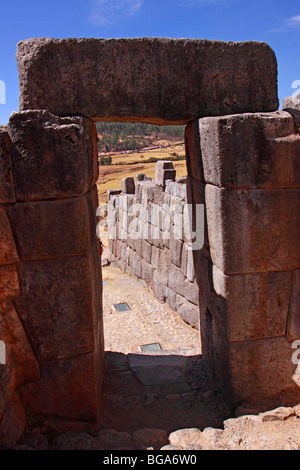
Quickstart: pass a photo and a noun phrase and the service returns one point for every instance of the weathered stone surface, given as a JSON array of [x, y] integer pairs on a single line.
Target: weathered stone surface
[[128, 186], [136, 264], [158, 286], [184, 437], [9, 282], [295, 113], [188, 311], [198, 78], [193, 151], [73, 441], [263, 232], [195, 226], [176, 250], [146, 251], [170, 297], [291, 102], [7, 192], [68, 388], [164, 171], [279, 414], [52, 229], [8, 251], [255, 305], [163, 371], [155, 257], [52, 157], [268, 372], [257, 150], [56, 306], [150, 438], [181, 285], [21, 365], [109, 439], [147, 272], [293, 328], [13, 423]]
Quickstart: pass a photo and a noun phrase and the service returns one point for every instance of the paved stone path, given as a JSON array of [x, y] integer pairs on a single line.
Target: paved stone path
[[148, 321]]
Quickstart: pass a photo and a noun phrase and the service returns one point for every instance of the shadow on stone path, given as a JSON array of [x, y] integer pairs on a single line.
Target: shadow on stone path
[[169, 391]]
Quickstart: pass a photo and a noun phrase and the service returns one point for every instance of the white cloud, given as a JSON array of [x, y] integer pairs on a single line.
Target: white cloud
[[294, 21], [290, 23], [105, 12]]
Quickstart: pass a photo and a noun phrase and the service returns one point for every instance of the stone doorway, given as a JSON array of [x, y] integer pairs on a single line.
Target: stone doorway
[[248, 269]]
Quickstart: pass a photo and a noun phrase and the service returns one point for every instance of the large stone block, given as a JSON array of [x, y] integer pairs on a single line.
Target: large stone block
[[8, 251], [295, 113], [164, 171], [7, 192], [69, 388], [147, 272], [155, 80], [56, 306], [180, 284], [253, 230], [262, 371], [250, 150], [293, 328], [128, 186], [52, 229], [52, 157], [13, 423], [20, 363], [193, 151], [9, 282], [291, 102], [188, 311], [254, 305]]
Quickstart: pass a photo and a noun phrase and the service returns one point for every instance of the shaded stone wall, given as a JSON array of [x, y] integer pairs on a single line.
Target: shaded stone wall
[[51, 320], [248, 271], [18, 364], [150, 239]]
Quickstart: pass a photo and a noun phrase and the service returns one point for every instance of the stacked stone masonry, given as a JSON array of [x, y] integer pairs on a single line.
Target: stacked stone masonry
[[150, 238], [243, 166], [50, 292], [248, 270]]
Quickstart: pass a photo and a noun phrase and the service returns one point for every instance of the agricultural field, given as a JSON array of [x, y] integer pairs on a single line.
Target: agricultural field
[[124, 165]]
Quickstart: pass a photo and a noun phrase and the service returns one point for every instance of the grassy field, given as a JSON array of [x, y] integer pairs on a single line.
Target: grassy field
[[110, 176]]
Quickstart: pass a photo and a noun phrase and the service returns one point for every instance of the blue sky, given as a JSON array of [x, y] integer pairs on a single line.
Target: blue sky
[[276, 22]]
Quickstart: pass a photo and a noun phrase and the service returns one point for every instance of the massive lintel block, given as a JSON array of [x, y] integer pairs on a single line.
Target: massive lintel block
[[155, 80]]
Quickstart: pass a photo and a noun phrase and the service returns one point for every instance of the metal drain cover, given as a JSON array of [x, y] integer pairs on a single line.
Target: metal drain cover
[[122, 307], [151, 347]]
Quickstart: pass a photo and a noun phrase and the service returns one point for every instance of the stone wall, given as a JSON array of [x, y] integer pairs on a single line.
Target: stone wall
[[50, 294], [244, 168], [149, 230], [248, 270]]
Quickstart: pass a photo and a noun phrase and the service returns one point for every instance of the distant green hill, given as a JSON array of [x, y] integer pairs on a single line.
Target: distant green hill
[[117, 136]]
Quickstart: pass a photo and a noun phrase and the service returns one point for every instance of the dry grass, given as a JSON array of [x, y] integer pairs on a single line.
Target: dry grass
[[110, 176]]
